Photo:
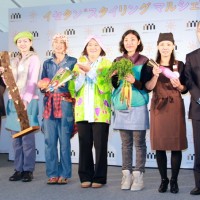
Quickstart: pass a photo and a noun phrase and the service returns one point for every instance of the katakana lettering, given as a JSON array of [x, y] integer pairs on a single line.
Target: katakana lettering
[[170, 7], [93, 12], [132, 9], [195, 6], [113, 10], [47, 16], [103, 11], [123, 9], [67, 14], [182, 5], [76, 13], [159, 6], [144, 7]]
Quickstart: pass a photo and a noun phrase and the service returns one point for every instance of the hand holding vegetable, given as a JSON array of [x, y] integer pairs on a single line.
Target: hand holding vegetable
[[44, 83], [160, 69], [123, 68], [175, 82], [156, 71], [130, 78]]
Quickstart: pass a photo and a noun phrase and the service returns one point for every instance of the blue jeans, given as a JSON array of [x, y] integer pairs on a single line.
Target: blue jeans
[[24, 152], [139, 138], [59, 129]]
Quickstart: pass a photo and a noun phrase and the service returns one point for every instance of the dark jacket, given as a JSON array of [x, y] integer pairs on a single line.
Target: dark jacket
[[192, 73]]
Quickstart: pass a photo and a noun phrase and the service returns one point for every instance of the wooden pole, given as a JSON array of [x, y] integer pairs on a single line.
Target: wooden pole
[[14, 92]]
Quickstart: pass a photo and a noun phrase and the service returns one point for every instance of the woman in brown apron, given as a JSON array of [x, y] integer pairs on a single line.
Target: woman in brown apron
[[167, 113]]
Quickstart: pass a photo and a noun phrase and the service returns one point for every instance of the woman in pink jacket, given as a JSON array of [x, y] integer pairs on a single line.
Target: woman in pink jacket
[[25, 69]]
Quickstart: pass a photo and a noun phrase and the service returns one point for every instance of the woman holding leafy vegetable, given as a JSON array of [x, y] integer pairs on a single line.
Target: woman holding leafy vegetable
[[92, 112], [58, 114], [130, 104]]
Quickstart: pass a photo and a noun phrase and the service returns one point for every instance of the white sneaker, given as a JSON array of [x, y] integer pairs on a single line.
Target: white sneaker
[[126, 180], [138, 183]]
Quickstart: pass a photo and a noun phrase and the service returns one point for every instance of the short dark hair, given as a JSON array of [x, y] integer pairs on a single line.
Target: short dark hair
[[121, 43]]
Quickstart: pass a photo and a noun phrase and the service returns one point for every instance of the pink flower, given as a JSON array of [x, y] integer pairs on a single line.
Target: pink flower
[[101, 92], [97, 111], [79, 102]]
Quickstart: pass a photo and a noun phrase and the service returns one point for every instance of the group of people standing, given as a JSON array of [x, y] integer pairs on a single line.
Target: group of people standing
[[87, 100]]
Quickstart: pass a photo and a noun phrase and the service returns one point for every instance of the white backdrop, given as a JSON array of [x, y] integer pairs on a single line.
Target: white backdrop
[[110, 20]]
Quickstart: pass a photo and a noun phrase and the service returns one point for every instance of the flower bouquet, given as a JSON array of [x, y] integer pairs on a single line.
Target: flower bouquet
[[62, 76]]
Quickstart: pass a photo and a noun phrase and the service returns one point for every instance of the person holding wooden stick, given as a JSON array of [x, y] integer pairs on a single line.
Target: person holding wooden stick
[[25, 68]]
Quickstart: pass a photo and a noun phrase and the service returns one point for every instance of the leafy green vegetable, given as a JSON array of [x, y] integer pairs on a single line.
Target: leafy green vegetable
[[123, 68]]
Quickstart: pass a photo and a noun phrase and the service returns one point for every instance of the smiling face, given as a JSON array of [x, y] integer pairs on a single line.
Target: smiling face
[[24, 44], [59, 46], [131, 43], [93, 48], [165, 48]]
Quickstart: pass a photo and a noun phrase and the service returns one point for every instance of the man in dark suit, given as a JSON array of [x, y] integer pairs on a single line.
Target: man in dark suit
[[192, 72]]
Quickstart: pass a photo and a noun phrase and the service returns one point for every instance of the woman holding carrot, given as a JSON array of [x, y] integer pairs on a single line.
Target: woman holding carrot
[[128, 89]]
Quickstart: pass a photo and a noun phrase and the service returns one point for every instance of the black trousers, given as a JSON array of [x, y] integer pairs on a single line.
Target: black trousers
[[93, 134], [176, 158], [196, 135]]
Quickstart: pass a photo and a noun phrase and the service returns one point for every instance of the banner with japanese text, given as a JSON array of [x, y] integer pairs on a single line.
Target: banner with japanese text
[[111, 19]]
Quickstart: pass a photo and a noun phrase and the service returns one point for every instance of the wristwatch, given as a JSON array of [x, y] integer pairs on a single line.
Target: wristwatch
[[198, 101]]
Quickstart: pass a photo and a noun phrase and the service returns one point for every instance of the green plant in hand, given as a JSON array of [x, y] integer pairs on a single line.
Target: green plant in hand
[[122, 68]]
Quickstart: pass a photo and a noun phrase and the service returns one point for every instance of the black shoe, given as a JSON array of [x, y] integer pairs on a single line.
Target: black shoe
[[27, 176], [174, 186], [164, 185], [16, 176], [195, 191]]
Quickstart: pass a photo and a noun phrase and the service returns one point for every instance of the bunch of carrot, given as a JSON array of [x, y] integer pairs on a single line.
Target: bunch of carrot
[[122, 68], [126, 93]]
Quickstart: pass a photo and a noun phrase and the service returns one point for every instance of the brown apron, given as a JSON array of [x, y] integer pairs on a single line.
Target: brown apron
[[167, 117]]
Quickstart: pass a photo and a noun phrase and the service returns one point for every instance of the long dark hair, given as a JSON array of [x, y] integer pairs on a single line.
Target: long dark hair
[[171, 61], [121, 43]]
